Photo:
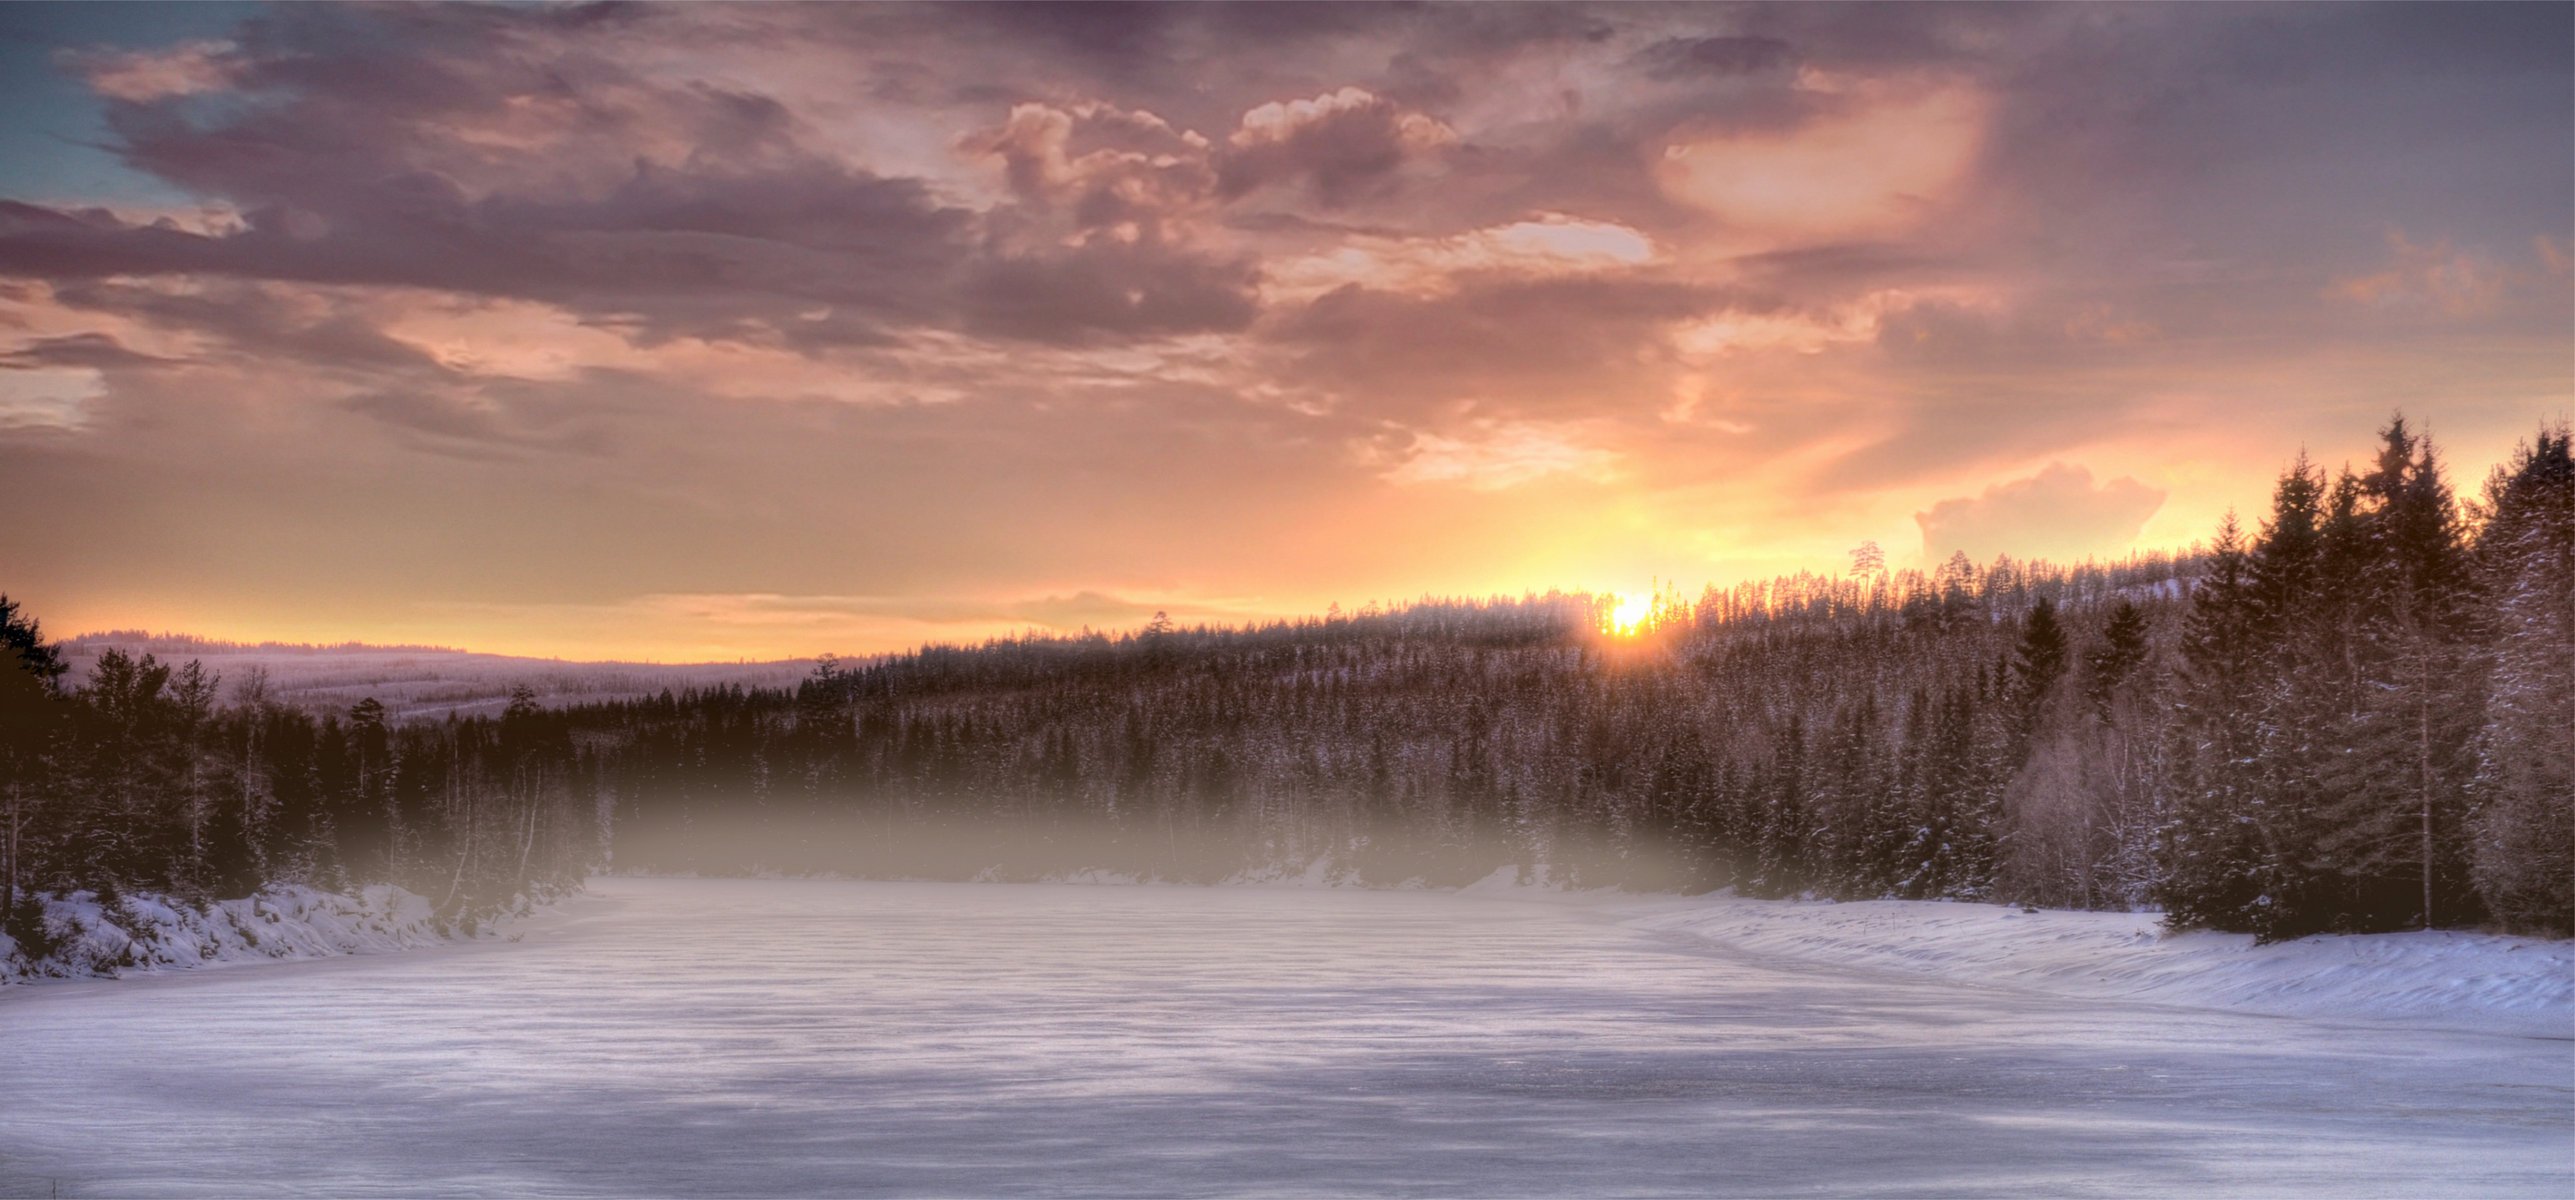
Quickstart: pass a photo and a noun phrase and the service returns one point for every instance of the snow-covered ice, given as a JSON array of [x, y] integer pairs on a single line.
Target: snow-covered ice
[[740, 1037], [2439, 979]]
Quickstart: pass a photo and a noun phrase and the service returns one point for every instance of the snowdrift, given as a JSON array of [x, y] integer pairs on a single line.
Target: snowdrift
[[2445, 980], [148, 933]]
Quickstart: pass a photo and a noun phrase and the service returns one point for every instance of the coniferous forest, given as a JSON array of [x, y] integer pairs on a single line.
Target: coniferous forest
[[2353, 712]]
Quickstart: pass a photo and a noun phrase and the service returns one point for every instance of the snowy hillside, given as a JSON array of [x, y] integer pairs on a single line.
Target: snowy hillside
[[2435, 980], [421, 682], [146, 933]]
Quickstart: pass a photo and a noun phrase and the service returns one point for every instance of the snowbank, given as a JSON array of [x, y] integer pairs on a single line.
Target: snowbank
[[149, 933], [2436, 980]]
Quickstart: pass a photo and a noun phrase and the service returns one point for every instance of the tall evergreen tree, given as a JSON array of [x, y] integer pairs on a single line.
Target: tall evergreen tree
[[2040, 662], [2397, 834], [31, 717], [2216, 869], [2110, 664], [2524, 824]]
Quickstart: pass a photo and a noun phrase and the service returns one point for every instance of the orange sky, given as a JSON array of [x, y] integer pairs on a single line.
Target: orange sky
[[717, 332]]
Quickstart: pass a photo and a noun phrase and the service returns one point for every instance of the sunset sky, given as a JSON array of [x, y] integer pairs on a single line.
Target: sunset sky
[[727, 331]]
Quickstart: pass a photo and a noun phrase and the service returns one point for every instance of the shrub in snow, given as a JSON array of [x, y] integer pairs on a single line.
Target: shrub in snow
[[89, 934]]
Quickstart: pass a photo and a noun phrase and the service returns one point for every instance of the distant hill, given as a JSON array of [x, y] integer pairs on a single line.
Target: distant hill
[[418, 682]]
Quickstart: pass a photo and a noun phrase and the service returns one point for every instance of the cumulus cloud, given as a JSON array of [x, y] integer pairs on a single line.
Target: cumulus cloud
[[1343, 144], [2057, 514], [1105, 166]]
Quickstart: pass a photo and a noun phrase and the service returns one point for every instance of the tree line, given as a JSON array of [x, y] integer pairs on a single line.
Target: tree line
[[2357, 715], [154, 777]]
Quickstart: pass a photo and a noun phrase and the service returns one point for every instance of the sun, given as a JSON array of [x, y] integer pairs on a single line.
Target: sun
[[1628, 615]]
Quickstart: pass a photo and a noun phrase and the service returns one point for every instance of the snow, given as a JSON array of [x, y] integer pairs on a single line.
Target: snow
[[144, 932], [804, 1037], [2428, 980]]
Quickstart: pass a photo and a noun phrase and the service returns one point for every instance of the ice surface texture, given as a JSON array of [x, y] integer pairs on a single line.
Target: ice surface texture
[[2438, 979], [714, 1037]]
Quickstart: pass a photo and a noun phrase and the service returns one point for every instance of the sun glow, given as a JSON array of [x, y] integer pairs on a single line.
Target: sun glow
[[1628, 614]]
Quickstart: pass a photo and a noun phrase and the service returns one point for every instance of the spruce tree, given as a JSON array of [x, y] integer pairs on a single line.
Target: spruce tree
[[2294, 707], [2524, 824], [2041, 661], [31, 717], [2215, 870], [2121, 651], [2396, 833]]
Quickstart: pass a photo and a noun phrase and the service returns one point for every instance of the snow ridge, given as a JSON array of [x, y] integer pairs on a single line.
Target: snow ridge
[[2445, 980]]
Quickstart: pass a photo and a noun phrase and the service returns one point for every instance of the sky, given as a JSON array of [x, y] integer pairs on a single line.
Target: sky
[[733, 331]]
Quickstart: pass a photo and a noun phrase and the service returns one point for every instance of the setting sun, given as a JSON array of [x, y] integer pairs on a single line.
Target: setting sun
[[1629, 613]]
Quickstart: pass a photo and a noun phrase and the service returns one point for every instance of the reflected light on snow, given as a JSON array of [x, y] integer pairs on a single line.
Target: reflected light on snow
[[746, 1037]]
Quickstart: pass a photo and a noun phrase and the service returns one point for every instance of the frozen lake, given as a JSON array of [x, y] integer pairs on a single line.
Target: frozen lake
[[714, 1037]]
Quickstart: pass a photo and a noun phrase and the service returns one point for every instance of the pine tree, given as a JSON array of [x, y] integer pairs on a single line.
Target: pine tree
[[31, 717], [362, 824], [2215, 872], [2524, 823], [2121, 652], [2294, 706], [2395, 834], [2038, 663]]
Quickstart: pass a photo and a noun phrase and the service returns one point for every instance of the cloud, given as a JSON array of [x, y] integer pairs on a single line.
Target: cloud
[[1509, 345], [92, 350], [2056, 514], [264, 321], [664, 254], [1553, 244], [1871, 161], [1063, 611], [1493, 455], [1864, 319], [545, 307], [1104, 166], [472, 423], [1344, 145], [44, 397], [1109, 288], [1686, 58], [509, 155], [140, 76], [2435, 278]]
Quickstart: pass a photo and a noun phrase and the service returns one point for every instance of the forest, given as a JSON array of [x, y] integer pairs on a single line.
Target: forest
[[2355, 712]]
